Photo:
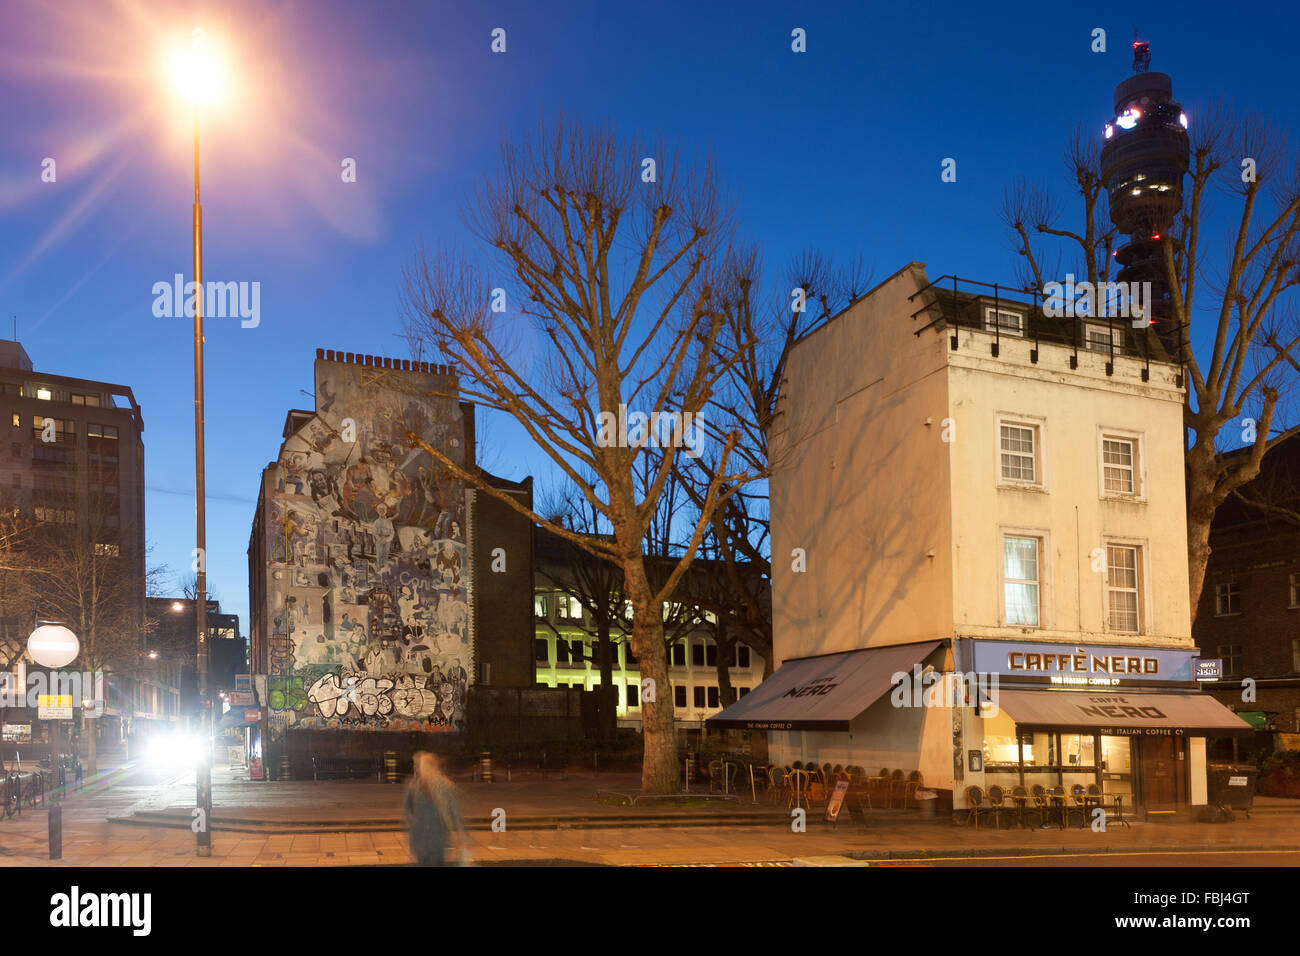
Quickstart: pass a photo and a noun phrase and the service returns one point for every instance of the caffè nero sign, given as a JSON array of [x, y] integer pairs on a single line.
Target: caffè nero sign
[[1084, 665]]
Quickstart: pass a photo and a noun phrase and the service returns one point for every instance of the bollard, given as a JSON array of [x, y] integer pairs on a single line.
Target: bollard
[[485, 766], [56, 832], [390, 767]]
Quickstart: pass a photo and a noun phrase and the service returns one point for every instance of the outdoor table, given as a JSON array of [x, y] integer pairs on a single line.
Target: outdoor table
[[1022, 804], [1055, 803], [1119, 810]]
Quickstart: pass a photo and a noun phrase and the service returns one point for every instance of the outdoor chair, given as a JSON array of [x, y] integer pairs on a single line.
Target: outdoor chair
[[1044, 807], [715, 776], [997, 805], [798, 792], [975, 807], [897, 789], [776, 782], [1078, 803], [913, 785]]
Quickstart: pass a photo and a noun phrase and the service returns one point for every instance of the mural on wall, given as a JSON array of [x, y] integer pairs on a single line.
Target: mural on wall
[[367, 584]]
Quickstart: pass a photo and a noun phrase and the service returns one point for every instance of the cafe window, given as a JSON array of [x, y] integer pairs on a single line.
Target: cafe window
[[1227, 598], [1123, 607], [1020, 583], [1232, 658]]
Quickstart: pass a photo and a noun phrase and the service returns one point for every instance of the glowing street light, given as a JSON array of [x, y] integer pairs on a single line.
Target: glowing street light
[[199, 78]]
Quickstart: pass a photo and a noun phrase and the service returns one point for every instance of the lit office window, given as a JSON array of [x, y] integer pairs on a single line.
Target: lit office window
[[1020, 580]]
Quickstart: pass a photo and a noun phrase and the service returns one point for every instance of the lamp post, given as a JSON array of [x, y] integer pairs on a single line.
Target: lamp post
[[200, 81]]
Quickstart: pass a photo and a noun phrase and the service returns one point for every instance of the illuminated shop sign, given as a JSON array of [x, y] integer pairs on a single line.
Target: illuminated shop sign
[[1084, 665]]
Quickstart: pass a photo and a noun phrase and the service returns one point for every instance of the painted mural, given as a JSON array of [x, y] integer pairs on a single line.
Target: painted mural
[[367, 583]]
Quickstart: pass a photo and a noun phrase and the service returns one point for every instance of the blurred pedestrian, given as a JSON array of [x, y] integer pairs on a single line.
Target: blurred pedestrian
[[431, 813]]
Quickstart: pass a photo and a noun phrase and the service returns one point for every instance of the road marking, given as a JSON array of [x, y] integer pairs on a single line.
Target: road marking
[[1061, 856]]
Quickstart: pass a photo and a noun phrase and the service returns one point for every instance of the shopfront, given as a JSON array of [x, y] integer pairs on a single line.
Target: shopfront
[[1129, 719]]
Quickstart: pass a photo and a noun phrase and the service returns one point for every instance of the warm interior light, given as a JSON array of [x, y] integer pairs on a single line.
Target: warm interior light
[[177, 606], [43, 394], [196, 73]]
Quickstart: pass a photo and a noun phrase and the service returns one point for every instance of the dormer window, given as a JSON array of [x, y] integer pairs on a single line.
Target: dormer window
[[1005, 322]]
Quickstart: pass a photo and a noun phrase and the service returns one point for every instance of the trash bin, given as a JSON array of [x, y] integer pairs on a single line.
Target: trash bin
[[1232, 786], [927, 800]]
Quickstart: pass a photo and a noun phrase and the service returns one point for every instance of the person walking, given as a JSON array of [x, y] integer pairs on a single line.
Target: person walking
[[431, 814]]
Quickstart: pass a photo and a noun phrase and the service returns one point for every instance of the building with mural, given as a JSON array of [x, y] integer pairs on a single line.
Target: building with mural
[[364, 560]]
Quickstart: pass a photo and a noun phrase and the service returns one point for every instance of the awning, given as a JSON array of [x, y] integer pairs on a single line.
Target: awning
[[822, 693], [1121, 714], [239, 717]]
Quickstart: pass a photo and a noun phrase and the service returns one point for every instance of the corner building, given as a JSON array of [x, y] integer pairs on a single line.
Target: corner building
[[964, 485]]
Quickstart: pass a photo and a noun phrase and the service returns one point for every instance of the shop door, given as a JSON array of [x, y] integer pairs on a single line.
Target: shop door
[[1159, 772]]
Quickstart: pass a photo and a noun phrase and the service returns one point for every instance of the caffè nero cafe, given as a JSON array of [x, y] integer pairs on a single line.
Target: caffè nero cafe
[[961, 713]]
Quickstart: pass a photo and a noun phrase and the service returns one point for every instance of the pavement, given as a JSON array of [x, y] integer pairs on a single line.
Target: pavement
[[139, 816]]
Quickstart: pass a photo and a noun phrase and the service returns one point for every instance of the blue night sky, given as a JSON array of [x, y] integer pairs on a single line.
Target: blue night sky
[[837, 149]]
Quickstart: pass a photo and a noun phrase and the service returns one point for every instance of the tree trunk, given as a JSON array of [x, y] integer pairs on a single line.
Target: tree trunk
[[1200, 514], [659, 770]]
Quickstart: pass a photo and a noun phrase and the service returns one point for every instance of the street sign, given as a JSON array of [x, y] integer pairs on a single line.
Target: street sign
[[53, 645], [54, 706], [1209, 668], [243, 683], [242, 698]]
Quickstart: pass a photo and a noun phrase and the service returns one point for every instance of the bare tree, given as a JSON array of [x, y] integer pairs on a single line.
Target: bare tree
[[74, 572], [622, 258], [1237, 393]]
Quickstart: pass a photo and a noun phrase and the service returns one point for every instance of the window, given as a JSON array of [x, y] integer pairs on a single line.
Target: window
[[1294, 581], [1020, 580], [561, 651], [1122, 605], [568, 608], [714, 699], [634, 695], [741, 658], [741, 692], [63, 430], [631, 659], [1227, 599], [1010, 323], [1232, 658], [101, 431], [697, 653], [539, 605], [17, 420], [1119, 465], [1295, 653], [679, 696], [109, 549], [43, 394], [710, 654], [1019, 444], [542, 650], [578, 648], [679, 655], [698, 695], [1101, 338]]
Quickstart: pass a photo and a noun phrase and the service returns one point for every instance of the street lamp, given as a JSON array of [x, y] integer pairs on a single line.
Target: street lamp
[[199, 78]]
